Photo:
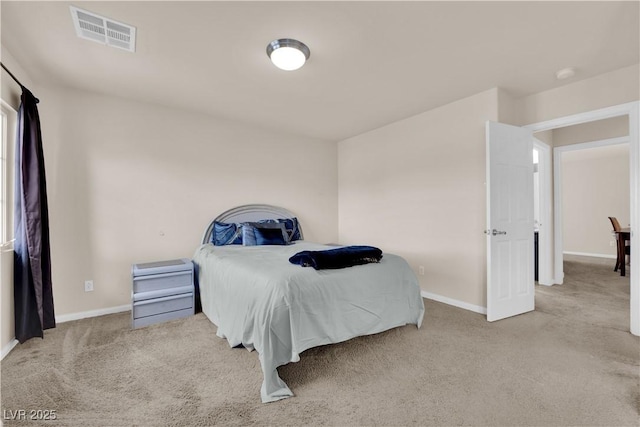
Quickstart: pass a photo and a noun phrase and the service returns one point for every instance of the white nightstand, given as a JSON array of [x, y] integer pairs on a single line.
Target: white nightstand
[[161, 291]]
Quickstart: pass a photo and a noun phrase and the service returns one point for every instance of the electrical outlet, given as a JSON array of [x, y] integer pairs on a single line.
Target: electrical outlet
[[612, 243], [88, 285], [421, 270]]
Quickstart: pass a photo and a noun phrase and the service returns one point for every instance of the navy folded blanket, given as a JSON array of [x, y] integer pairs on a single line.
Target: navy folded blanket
[[343, 257]]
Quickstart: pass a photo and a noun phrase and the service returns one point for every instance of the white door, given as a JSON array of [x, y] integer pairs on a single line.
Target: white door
[[510, 288]]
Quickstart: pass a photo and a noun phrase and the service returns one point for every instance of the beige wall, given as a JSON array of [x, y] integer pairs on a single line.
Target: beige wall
[[11, 95], [507, 108], [131, 182], [595, 185], [416, 188]]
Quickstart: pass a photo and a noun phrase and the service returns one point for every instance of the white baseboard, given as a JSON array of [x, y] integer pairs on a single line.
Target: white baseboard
[[454, 302], [92, 313], [7, 348], [589, 254]]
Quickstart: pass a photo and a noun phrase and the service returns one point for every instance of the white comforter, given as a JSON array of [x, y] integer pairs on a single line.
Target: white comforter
[[258, 299]]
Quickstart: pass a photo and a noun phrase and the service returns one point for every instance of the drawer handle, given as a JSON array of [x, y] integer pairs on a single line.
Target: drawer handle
[[169, 298], [163, 275]]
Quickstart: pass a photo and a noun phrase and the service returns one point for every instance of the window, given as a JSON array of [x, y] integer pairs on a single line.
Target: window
[[7, 141]]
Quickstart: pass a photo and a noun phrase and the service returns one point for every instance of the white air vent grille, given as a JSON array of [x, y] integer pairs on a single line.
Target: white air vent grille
[[103, 30]]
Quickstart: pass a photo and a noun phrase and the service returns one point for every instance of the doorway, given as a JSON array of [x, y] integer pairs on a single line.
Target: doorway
[[603, 167], [632, 111]]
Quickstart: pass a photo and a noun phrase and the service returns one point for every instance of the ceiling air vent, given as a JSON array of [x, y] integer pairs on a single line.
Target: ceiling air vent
[[103, 30]]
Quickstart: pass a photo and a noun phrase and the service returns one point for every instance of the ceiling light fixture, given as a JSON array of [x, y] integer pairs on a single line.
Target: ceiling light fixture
[[565, 73], [288, 54]]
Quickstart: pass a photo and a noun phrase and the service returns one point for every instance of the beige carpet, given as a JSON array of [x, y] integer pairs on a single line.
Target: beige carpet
[[571, 362]]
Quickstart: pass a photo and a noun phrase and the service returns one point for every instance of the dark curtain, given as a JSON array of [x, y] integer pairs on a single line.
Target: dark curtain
[[32, 260]]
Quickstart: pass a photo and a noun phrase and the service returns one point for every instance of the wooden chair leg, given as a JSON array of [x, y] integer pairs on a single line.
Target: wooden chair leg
[[618, 265]]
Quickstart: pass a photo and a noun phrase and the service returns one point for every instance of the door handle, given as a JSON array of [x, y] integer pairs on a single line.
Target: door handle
[[494, 232]]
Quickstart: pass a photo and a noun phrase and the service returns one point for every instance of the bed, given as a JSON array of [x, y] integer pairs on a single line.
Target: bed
[[259, 300]]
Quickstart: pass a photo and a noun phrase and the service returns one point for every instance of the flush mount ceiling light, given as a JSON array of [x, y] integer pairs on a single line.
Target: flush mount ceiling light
[[288, 54], [565, 73]]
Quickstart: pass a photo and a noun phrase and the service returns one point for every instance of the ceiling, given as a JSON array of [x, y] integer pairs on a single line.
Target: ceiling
[[372, 63]]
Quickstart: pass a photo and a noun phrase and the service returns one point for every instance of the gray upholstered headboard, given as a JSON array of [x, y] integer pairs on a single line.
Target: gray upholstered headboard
[[249, 213]]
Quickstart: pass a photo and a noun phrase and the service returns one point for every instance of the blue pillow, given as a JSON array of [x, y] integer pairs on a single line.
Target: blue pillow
[[269, 236], [293, 228], [249, 231], [290, 224], [248, 234], [226, 234]]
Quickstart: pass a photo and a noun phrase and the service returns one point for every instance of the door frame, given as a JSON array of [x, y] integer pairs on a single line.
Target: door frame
[[632, 110], [545, 234]]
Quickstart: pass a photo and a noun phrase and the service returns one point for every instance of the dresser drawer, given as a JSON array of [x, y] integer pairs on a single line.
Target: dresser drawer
[[166, 304], [155, 282], [158, 318], [162, 293]]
